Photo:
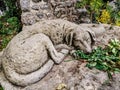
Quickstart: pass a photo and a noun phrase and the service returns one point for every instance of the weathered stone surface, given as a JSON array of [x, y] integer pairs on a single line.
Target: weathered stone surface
[[110, 34], [45, 6], [70, 73], [25, 5], [73, 74], [50, 9], [28, 18], [35, 7], [69, 4], [36, 1], [40, 15], [112, 85], [30, 62], [45, 0]]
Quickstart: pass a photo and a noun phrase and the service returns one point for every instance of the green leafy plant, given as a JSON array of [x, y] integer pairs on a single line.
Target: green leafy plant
[[116, 13], [11, 26], [105, 17], [114, 47], [1, 88], [107, 59], [101, 11], [10, 23], [13, 9], [93, 7], [82, 3], [8, 29], [113, 14]]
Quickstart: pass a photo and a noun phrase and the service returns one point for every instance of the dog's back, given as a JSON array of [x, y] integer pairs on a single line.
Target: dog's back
[[56, 30]]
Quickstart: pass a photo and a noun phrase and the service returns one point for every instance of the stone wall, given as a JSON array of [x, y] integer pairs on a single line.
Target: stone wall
[[36, 10]]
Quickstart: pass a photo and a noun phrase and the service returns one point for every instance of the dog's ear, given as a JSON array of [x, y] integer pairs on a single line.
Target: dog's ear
[[69, 38], [92, 35]]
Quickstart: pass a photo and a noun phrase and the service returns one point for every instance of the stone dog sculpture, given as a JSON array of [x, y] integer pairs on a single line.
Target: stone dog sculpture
[[31, 54]]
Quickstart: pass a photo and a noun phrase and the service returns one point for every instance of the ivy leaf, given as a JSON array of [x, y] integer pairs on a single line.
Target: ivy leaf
[[91, 64], [116, 70], [114, 51]]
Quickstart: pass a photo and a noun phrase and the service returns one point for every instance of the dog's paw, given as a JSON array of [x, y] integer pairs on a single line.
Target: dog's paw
[[64, 51], [60, 58], [72, 53]]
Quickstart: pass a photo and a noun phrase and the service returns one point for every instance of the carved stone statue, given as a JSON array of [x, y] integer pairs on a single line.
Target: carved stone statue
[[31, 54]]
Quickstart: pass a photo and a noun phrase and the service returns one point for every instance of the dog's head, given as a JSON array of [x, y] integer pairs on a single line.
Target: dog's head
[[81, 39]]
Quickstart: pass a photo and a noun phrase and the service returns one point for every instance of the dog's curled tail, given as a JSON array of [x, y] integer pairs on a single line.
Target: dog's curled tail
[[30, 78]]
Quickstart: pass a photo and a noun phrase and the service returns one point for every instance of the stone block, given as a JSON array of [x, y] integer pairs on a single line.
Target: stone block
[[25, 5]]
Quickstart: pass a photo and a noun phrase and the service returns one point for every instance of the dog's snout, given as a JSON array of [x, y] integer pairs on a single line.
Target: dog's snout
[[89, 50]]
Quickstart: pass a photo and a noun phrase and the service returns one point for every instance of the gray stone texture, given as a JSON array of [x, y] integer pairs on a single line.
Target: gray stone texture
[[25, 5], [29, 18], [49, 9], [35, 7], [36, 1], [71, 74]]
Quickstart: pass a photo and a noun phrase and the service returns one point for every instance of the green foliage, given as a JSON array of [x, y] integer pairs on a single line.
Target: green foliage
[[114, 47], [11, 26], [10, 23], [82, 4], [116, 13], [107, 59], [96, 5], [13, 10], [1, 88], [93, 7], [8, 29], [100, 11]]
